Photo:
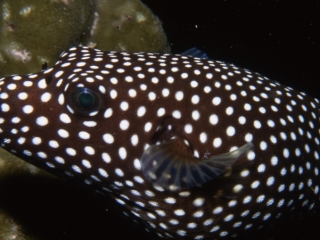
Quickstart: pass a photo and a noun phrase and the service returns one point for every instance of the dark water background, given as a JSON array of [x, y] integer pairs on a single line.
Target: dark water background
[[279, 39]]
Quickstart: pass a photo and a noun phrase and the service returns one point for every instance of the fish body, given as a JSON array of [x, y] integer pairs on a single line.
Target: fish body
[[191, 148]]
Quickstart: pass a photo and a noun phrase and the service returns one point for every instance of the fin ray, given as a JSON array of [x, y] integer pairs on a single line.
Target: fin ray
[[170, 166]]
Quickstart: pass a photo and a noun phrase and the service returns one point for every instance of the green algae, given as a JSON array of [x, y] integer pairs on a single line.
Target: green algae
[[130, 26], [33, 32], [36, 31]]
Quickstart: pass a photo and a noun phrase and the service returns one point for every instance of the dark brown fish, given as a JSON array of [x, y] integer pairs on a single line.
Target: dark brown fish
[[193, 148]]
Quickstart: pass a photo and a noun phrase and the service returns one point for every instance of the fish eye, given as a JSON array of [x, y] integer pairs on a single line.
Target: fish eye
[[85, 102]]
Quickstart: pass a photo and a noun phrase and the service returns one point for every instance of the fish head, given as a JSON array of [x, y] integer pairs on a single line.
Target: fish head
[[65, 116]]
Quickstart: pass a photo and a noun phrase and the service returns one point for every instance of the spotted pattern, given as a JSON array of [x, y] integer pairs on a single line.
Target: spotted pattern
[[142, 99]]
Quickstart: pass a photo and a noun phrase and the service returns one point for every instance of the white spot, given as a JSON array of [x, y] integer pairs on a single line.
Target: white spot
[[45, 97], [286, 153], [71, 151], [42, 84], [106, 157], [36, 140], [176, 114], [65, 118], [216, 101], [26, 109], [194, 84], [179, 95], [124, 106], [270, 181], [63, 133], [257, 124], [203, 137], [128, 79], [231, 131], [165, 92], [141, 111], [147, 126], [122, 153], [42, 121], [89, 150], [255, 184], [209, 75], [108, 138], [119, 172], [53, 144], [217, 210], [152, 96], [247, 107], [86, 163], [207, 89], [61, 99], [247, 199], [108, 113], [217, 142], [242, 120], [137, 164], [213, 119], [132, 93], [21, 140], [170, 200], [134, 140], [179, 212], [261, 168], [161, 112], [263, 145], [5, 95], [195, 99], [90, 123], [23, 96], [58, 74], [274, 161], [248, 137], [188, 128], [195, 115], [229, 218], [184, 75], [42, 155], [59, 160], [113, 94], [229, 110], [198, 202], [80, 64], [84, 135], [76, 169], [124, 124]]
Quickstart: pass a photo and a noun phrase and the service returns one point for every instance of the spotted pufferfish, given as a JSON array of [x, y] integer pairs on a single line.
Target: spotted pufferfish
[[192, 148]]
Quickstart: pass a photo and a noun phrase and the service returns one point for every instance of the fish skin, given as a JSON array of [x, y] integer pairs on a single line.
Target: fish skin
[[216, 107]]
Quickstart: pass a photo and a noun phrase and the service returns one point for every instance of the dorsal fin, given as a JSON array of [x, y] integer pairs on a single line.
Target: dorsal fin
[[195, 52]]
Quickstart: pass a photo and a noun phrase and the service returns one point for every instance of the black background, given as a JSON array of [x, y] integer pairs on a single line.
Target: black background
[[279, 39]]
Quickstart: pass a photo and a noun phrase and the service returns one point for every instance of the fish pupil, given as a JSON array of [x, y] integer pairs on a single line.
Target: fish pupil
[[86, 99]]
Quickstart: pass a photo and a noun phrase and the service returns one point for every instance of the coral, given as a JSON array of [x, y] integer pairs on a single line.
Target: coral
[[36, 31], [33, 32], [130, 26]]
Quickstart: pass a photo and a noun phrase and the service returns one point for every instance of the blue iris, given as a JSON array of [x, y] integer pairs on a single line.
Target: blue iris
[[86, 99]]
